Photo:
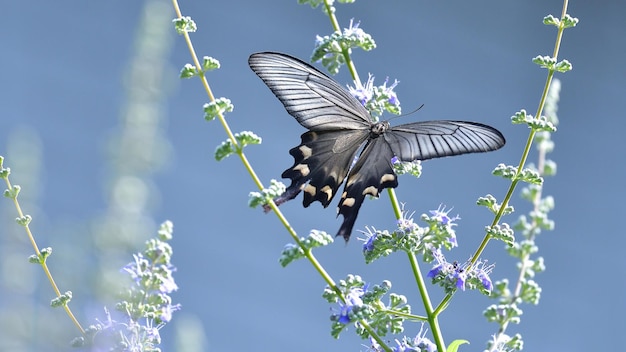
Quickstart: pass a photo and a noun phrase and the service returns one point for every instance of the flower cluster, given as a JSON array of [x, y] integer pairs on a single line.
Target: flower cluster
[[358, 302], [454, 276], [441, 228], [418, 344], [412, 238], [146, 305], [330, 48], [377, 99]]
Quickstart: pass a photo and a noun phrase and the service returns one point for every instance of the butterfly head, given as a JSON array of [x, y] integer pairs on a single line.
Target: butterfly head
[[379, 128]]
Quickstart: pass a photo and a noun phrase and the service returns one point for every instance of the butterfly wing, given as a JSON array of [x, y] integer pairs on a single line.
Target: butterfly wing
[[314, 99], [372, 173], [435, 139], [317, 162]]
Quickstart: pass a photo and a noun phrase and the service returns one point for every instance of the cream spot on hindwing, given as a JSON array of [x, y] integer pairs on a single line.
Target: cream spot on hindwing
[[306, 152], [329, 192], [310, 190], [371, 190], [302, 168], [348, 202], [387, 177]]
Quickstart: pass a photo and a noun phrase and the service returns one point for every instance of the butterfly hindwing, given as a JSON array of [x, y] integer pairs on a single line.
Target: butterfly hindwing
[[317, 162], [434, 139], [372, 173], [314, 99]]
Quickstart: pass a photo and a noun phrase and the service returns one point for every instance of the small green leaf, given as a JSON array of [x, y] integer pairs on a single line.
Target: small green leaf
[[549, 168], [209, 64], [13, 192], [530, 176], [501, 232], [411, 167], [454, 345], [224, 150], [551, 20], [505, 171], [24, 220], [569, 21], [184, 25], [545, 61], [219, 106], [563, 66], [293, 252], [244, 138], [275, 189], [538, 124], [189, 71], [62, 300]]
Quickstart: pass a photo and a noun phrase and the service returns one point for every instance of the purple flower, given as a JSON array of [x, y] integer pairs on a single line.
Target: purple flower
[[353, 301], [486, 281], [393, 98], [482, 273], [363, 93], [167, 311], [368, 246], [435, 271], [442, 216], [460, 276]]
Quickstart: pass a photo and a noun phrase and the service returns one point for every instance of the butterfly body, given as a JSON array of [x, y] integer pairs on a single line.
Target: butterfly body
[[339, 126]]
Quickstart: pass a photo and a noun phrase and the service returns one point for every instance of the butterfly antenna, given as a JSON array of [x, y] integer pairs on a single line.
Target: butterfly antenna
[[412, 112]]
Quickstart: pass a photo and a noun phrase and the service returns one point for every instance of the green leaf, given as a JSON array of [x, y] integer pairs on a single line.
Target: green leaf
[[209, 64], [184, 25], [219, 106], [454, 345], [227, 148]]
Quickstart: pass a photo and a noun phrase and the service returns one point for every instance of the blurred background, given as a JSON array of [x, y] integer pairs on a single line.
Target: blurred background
[[107, 143]]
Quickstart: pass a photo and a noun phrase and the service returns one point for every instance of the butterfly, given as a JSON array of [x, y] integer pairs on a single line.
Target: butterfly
[[338, 127]]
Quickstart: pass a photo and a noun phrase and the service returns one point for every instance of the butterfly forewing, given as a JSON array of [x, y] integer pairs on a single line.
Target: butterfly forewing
[[316, 101]]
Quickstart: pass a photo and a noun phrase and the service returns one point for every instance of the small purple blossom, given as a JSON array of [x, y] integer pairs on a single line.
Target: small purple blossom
[[442, 216], [419, 344], [354, 31], [368, 246], [353, 302], [435, 271], [485, 280], [482, 274], [145, 305], [406, 224], [363, 93], [393, 98], [460, 275]]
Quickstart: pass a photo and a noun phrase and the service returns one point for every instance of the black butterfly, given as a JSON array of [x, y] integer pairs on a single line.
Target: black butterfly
[[339, 125]]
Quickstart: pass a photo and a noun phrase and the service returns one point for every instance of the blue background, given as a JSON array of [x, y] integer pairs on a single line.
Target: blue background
[[63, 71]]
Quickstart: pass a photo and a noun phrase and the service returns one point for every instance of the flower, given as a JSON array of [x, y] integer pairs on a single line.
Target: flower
[[442, 216], [363, 93], [368, 246], [351, 305]]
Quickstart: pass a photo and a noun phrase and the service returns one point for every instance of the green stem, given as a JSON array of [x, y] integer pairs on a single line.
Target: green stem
[[42, 261], [431, 314], [524, 156]]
